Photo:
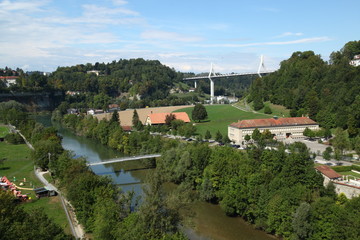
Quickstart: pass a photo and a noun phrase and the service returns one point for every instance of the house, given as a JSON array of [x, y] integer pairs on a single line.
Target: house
[[281, 128], [356, 61], [94, 111], [113, 107], [159, 118], [328, 173], [126, 128], [96, 72], [9, 80]]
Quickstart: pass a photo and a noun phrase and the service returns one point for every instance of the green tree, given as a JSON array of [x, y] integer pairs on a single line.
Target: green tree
[[115, 117], [207, 135], [327, 153], [267, 110], [256, 135], [341, 141], [247, 137], [218, 136], [136, 121], [199, 113], [301, 222]]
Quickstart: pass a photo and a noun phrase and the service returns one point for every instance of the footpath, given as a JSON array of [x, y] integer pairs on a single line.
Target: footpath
[[76, 229]]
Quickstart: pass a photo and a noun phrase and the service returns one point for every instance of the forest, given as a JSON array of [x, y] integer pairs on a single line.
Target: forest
[[327, 92]]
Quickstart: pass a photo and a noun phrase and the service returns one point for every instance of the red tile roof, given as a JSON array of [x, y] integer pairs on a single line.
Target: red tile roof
[[271, 122], [159, 118], [327, 171]]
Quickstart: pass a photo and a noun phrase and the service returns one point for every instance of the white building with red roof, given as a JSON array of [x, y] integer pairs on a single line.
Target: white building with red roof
[[159, 118], [281, 128]]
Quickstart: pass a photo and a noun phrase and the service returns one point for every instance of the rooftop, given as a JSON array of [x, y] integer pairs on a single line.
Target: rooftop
[[327, 171], [272, 122]]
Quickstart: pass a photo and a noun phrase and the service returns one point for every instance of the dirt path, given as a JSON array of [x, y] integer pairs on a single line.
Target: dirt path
[[126, 116]]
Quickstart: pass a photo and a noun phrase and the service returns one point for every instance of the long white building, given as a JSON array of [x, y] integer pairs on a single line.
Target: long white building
[[281, 128]]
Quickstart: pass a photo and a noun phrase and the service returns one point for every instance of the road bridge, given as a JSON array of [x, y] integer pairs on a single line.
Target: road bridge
[[212, 75], [125, 159]]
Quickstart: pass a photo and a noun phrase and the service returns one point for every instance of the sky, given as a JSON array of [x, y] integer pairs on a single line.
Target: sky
[[186, 35]]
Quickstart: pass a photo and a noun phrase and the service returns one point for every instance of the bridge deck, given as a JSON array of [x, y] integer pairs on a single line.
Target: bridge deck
[[226, 75], [124, 159]]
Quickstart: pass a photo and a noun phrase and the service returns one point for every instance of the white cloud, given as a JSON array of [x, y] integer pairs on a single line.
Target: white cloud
[[287, 34], [168, 36], [299, 41]]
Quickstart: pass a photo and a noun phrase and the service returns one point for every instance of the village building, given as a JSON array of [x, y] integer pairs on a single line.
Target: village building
[[356, 61], [159, 118], [281, 128], [9, 80], [94, 111]]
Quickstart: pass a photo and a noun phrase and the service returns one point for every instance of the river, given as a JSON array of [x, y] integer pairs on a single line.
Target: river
[[209, 221]]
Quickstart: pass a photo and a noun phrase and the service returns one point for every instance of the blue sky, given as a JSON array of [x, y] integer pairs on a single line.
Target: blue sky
[[186, 35]]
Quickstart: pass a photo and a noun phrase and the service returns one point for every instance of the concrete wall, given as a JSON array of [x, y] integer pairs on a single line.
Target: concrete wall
[[349, 191]]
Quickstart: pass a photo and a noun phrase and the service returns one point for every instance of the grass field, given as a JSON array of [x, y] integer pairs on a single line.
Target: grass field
[[220, 116], [19, 165], [4, 130], [356, 175], [277, 110], [53, 208]]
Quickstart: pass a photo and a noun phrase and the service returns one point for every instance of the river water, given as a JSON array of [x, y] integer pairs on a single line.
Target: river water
[[209, 221]]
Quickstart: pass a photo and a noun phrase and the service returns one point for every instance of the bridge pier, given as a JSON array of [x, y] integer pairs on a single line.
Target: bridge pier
[[195, 84], [212, 87]]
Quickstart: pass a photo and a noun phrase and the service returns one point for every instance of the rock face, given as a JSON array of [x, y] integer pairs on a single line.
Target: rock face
[[35, 101]]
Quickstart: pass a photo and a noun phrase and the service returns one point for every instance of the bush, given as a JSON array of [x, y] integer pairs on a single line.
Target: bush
[[267, 110], [14, 138]]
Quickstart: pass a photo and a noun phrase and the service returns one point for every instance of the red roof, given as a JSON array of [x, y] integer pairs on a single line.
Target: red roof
[[9, 77], [327, 171], [159, 118], [126, 128], [272, 122]]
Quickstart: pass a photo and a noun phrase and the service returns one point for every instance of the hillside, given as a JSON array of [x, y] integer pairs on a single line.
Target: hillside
[[328, 92]]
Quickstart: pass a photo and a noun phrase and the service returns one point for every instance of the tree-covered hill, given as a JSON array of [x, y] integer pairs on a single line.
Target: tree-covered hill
[[328, 92], [148, 78]]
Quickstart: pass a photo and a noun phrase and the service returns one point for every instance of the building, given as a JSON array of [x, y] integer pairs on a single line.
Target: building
[[281, 128], [159, 118], [9, 80], [356, 61], [96, 72]]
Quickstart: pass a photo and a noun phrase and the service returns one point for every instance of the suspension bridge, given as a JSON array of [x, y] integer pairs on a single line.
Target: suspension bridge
[[125, 159], [212, 75]]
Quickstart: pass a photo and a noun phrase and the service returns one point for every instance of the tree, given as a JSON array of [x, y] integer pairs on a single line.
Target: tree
[[256, 135], [169, 118], [327, 153], [301, 222], [199, 113], [218, 136], [136, 121], [247, 137], [341, 141], [226, 139], [267, 110], [115, 117], [309, 133], [207, 135]]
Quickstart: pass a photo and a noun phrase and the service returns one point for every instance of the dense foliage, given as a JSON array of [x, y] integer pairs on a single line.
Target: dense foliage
[[327, 92]]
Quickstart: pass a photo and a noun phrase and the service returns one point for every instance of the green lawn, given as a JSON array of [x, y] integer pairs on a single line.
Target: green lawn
[[53, 208], [220, 116], [18, 164], [4, 130], [350, 173], [277, 110]]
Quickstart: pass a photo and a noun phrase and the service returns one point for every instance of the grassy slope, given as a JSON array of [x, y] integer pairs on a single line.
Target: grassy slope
[[4, 130], [19, 164], [220, 116]]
